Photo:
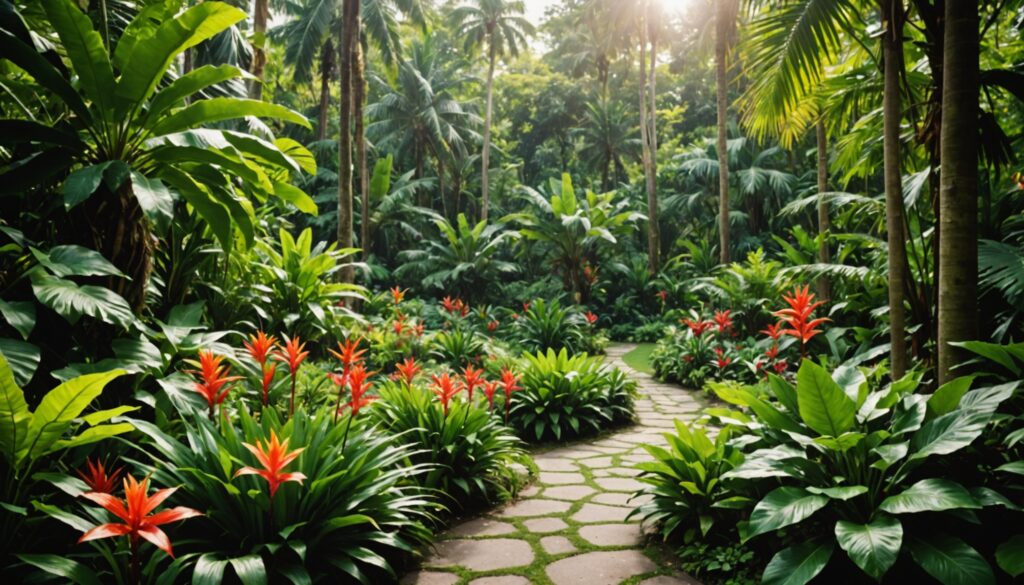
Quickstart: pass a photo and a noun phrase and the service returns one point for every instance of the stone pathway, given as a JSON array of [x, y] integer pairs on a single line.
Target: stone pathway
[[570, 527]]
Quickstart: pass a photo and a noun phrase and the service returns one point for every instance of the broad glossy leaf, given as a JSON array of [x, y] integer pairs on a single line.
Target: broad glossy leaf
[[849, 378], [81, 184], [196, 80], [58, 409], [14, 413], [1010, 556], [947, 397], [76, 261], [951, 561], [93, 435], [19, 314], [84, 48], [875, 546], [64, 567], [929, 495], [28, 58], [209, 570], [296, 197], [22, 357], [155, 198], [948, 433], [205, 112], [783, 507], [72, 301], [823, 405], [841, 492], [139, 351], [798, 564], [250, 570]]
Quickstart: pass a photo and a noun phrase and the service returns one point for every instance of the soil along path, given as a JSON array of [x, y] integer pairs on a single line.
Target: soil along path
[[570, 527]]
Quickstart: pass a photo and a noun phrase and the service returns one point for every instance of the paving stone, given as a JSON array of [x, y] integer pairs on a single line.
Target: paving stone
[[571, 493], [600, 568], [429, 578], [556, 545], [526, 508], [619, 499], [560, 477], [666, 580], [482, 527], [555, 464], [600, 513], [545, 525], [482, 555], [597, 462], [612, 534], [624, 471], [530, 491], [501, 580], [619, 484]]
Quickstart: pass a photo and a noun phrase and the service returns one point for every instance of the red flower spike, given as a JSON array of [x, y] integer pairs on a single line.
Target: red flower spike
[[259, 347], [510, 384], [472, 378], [772, 352], [134, 511], [407, 370], [591, 317], [274, 456], [489, 389], [397, 294], [97, 478], [349, 353], [418, 329], [798, 316], [449, 305], [493, 326], [268, 380], [723, 320], [294, 354], [399, 326], [774, 331], [214, 385], [445, 388], [356, 379], [663, 295], [697, 327]]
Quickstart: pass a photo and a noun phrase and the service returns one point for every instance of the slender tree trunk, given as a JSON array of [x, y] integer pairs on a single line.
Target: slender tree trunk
[[326, 69], [260, 15], [958, 192], [653, 243], [347, 44], [892, 45], [824, 286], [724, 23], [359, 93], [485, 157]]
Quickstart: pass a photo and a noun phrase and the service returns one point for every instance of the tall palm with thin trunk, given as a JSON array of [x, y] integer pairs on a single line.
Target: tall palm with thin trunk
[[725, 31], [648, 131], [348, 44], [958, 192], [500, 26], [260, 16]]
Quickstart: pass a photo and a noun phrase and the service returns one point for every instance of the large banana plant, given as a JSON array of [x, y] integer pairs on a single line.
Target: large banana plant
[[126, 137]]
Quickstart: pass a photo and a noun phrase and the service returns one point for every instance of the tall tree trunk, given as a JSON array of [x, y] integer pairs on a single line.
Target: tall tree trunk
[[724, 22], [359, 94], [653, 239], [958, 192], [824, 286], [347, 45], [326, 69], [485, 157], [892, 46], [260, 15]]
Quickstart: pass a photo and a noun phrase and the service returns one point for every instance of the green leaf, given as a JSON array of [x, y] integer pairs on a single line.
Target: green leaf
[[22, 357], [947, 397], [28, 58], [81, 184], [209, 570], [951, 561], [93, 435], [204, 112], [63, 567], [929, 495], [1010, 556], [101, 416], [380, 182], [783, 507], [840, 493], [196, 80], [875, 546], [250, 570], [73, 260], [14, 413], [84, 48], [21, 315], [948, 433], [849, 378], [154, 198], [823, 405], [57, 410], [296, 197], [798, 564], [140, 352], [72, 301], [1016, 467]]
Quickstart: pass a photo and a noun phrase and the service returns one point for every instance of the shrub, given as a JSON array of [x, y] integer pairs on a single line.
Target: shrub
[[566, 396], [457, 348], [547, 325], [469, 453]]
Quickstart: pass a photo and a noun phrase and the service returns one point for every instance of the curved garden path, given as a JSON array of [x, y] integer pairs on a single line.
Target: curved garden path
[[570, 526]]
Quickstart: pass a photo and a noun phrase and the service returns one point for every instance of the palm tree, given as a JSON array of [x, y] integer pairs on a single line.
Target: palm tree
[[609, 137], [347, 46], [260, 15], [725, 31], [648, 132], [499, 25], [958, 193]]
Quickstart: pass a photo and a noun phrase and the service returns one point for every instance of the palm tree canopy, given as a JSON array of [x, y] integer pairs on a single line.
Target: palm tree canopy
[[497, 22]]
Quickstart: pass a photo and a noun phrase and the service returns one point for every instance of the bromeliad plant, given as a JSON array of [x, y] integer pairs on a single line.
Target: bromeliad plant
[[547, 325], [862, 469]]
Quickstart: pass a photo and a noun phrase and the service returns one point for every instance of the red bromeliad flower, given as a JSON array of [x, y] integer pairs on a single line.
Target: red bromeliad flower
[[399, 326], [294, 354], [268, 379], [349, 353], [452, 306], [463, 307], [445, 388], [259, 346], [774, 331], [798, 316], [591, 317], [97, 479], [274, 456], [663, 295], [697, 327], [493, 326], [214, 386], [356, 379], [489, 389], [526, 306], [780, 366], [723, 320], [418, 330], [510, 383], [722, 362], [397, 294], [472, 378], [406, 371], [772, 352], [134, 511]]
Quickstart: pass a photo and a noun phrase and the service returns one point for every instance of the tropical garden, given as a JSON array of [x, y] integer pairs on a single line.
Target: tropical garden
[[288, 288]]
